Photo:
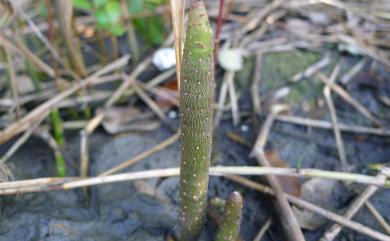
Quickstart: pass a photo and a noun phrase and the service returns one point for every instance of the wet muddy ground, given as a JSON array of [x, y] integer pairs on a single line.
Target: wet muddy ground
[[146, 209]]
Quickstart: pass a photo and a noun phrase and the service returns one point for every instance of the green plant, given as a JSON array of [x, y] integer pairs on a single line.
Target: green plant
[[65, 18], [3, 60], [113, 16], [60, 163], [59, 142], [57, 127], [107, 14], [231, 220], [196, 113], [151, 28]]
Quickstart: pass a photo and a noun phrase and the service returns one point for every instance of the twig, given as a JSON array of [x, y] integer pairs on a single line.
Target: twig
[[355, 206], [98, 118], [49, 184], [131, 35], [9, 187], [233, 97], [302, 172], [347, 223], [51, 35], [220, 21], [152, 105], [169, 95], [24, 123], [353, 71], [222, 98], [5, 173], [332, 110], [22, 139], [371, 51], [256, 102], [385, 171], [121, 89], [314, 208], [382, 222], [328, 125], [72, 125], [143, 155], [177, 12], [52, 142], [290, 224], [7, 13], [168, 172], [160, 78], [84, 153], [309, 71], [270, 45], [114, 47], [26, 53], [84, 100], [64, 16], [263, 230], [106, 94], [14, 86], [348, 98], [254, 22], [88, 19], [258, 33], [255, 35], [39, 34]]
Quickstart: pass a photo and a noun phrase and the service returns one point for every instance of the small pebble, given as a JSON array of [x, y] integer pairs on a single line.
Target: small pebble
[[172, 114], [244, 128]]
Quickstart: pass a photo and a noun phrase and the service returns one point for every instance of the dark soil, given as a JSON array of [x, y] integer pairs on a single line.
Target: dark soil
[[146, 210]]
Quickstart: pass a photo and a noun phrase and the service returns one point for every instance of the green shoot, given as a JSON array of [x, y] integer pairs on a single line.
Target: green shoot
[[229, 228], [196, 113]]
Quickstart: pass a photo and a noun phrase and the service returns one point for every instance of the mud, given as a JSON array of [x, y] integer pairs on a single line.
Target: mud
[[146, 210]]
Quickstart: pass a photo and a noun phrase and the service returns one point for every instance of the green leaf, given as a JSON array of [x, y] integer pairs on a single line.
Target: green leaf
[[113, 10], [151, 28], [156, 31], [135, 6], [117, 30], [99, 3], [82, 4], [155, 2], [43, 9], [102, 19]]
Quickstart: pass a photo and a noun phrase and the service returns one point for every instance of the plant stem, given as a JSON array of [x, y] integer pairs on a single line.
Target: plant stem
[[131, 36], [18, 187], [114, 47], [13, 84], [65, 15], [51, 35], [101, 46], [196, 112], [220, 21], [30, 69], [25, 122], [60, 163], [58, 142], [57, 127], [230, 225], [58, 157]]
